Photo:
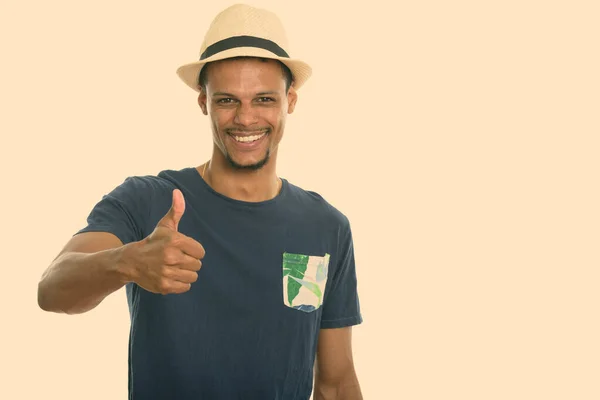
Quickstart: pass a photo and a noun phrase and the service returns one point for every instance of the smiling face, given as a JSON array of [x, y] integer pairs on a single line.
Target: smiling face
[[247, 102]]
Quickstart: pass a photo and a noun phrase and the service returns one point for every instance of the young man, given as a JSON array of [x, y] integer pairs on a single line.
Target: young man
[[240, 284]]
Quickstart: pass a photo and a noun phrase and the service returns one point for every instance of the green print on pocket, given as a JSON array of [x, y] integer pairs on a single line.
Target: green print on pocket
[[304, 279]]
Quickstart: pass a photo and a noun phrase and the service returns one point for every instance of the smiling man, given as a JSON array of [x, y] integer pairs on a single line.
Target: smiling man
[[247, 100], [240, 284]]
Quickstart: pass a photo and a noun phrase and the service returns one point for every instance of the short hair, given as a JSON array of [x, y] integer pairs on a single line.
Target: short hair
[[287, 74]]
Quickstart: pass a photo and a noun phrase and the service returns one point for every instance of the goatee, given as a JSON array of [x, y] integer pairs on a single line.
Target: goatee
[[251, 167]]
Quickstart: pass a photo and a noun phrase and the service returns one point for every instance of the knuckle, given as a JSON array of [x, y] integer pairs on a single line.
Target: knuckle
[[170, 257], [175, 239], [164, 272], [163, 285], [184, 287]]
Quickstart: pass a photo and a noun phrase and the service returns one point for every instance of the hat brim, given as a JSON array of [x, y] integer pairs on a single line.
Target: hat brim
[[190, 72]]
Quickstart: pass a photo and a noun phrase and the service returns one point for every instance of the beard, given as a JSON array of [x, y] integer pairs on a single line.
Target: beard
[[250, 167]]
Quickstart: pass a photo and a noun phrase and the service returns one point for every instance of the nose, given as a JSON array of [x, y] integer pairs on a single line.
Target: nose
[[245, 115]]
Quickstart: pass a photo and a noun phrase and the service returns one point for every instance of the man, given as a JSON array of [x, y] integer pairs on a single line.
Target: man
[[240, 284]]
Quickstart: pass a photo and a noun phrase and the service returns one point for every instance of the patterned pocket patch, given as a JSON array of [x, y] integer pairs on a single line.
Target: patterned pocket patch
[[304, 279]]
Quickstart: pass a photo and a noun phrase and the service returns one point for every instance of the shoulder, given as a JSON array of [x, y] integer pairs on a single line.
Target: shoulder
[[164, 180], [319, 206], [138, 190]]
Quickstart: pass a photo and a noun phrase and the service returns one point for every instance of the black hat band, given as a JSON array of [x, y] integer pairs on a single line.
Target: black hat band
[[243, 41]]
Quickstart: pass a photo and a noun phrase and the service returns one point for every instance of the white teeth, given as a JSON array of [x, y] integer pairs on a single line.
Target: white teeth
[[248, 138]]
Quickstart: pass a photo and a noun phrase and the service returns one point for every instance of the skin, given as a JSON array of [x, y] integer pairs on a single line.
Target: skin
[[242, 96], [234, 99], [93, 265], [335, 375]]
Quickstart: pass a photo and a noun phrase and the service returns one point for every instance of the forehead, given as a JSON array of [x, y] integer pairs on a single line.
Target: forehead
[[245, 74]]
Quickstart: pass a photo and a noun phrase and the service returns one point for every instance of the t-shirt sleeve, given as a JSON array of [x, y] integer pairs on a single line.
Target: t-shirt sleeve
[[122, 212], [341, 306]]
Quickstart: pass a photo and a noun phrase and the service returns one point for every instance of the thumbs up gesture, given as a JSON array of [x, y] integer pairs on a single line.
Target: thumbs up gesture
[[173, 216], [167, 261]]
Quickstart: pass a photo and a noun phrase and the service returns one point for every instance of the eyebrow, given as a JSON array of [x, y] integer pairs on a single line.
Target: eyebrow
[[223, 94], [257, 94]]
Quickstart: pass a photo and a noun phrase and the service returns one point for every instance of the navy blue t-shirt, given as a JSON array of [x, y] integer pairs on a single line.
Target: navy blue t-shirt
[[274, 274]]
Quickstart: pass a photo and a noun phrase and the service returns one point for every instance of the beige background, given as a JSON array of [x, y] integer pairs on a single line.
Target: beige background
[[460, 138]]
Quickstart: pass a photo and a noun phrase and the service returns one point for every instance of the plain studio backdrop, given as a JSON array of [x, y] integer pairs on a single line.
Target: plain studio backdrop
[[460, 139]]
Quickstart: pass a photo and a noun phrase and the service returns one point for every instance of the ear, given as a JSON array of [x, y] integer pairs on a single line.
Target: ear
[[202, 101], [292, 98]]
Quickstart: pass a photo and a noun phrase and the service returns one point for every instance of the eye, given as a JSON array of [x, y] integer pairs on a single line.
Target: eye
[[265, 99], [226, 100]]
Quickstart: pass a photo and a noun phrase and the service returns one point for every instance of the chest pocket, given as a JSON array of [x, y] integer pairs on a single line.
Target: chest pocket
[[304, 280]]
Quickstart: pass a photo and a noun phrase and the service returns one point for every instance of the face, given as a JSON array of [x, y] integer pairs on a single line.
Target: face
[[247, 104]]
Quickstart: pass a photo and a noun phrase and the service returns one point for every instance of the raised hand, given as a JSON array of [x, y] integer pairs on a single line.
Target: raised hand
[[167, 261]]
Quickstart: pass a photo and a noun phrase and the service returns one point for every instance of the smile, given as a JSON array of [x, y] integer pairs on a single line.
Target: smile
[[248, 138]]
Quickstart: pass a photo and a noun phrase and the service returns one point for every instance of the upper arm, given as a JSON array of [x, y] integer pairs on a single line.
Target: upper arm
[[341, 305], [335, 363], [118, 218], [91, 242]]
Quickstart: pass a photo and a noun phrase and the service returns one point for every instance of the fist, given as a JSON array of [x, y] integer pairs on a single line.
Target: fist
[[167, 261]]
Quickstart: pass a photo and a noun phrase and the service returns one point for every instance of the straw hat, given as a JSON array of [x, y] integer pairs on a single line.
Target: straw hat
[[242, 30]]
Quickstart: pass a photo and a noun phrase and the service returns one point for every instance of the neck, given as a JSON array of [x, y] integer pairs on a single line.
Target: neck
[[245, 185]]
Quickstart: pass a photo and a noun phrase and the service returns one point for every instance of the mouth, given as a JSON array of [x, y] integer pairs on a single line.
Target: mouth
[[248, 139]]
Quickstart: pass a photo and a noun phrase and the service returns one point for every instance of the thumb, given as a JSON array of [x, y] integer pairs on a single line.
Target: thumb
[[173, 216]]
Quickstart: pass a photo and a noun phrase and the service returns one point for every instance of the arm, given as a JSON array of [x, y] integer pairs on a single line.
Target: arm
[[335, 376], [89, 268], [95, 264]]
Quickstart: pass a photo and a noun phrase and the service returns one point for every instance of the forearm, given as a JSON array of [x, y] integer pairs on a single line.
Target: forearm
[[77, 282], [348, 389]]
